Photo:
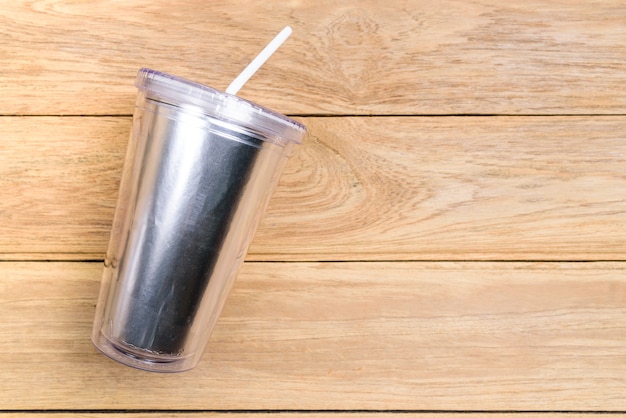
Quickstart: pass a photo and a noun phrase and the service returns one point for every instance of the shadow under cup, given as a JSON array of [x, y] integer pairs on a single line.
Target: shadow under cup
[[200, 168]]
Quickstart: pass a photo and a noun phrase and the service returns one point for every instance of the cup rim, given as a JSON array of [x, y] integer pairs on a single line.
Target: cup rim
[[267, 124]]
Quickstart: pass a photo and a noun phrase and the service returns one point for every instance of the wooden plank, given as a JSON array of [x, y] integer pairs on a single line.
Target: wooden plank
[[281, 414], [381, 188], [339, 336], [452, 188], [59, 178], [353, 57]]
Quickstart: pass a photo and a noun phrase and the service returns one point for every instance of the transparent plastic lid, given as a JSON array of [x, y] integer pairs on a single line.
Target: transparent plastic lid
[[265, 123]]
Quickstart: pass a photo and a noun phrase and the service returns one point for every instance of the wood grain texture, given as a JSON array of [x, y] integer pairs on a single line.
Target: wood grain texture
[[59, 179], [299, 414], [452, 188], [350, 57], [310, 336], [378, 182], [380, 188]]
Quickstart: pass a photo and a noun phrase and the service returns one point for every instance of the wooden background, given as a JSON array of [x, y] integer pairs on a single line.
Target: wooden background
[[449, 242]]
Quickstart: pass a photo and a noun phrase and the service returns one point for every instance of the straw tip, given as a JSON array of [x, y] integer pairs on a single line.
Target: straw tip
[[263, 56]]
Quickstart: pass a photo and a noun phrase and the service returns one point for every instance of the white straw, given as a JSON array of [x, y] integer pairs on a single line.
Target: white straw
[[260, 59]]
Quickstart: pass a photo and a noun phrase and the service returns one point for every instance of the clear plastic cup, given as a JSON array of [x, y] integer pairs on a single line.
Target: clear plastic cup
[[200, 168]]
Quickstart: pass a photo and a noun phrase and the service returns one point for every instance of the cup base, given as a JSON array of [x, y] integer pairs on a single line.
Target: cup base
[[140, 359]]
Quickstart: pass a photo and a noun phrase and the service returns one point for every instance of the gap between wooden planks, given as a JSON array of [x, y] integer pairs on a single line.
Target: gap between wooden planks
[[377, 188], [339, 336], [305, 414], [354, 57]]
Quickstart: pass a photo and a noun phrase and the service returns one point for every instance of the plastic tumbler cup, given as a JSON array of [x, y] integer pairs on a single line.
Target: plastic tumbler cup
[[200, 168]]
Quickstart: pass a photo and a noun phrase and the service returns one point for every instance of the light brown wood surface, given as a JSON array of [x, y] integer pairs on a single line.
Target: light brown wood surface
[[349, 57], [415, 260], [382, 188], [340, 336], [306, 414]]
